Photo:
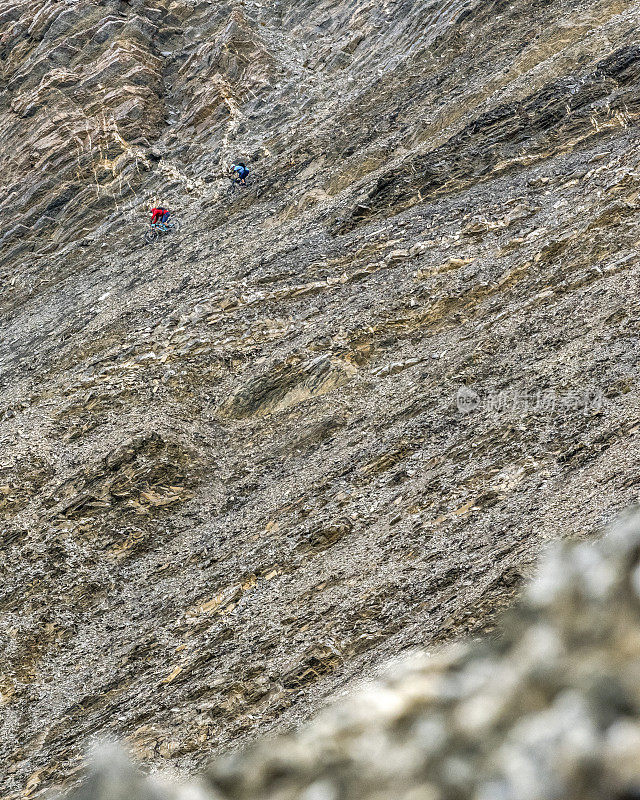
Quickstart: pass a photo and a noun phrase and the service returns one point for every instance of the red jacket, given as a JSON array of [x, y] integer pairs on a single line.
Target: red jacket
[[157, 212]]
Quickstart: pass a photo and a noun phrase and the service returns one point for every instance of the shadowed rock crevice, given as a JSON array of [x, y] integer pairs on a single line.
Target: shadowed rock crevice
[[559, 117]]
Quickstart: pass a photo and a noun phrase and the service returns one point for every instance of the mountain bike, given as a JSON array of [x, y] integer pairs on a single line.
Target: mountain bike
[[235, 185], [158, 229]]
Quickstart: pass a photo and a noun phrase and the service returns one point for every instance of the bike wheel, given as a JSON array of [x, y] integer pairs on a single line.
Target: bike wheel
[[151, 235], [175, 226]]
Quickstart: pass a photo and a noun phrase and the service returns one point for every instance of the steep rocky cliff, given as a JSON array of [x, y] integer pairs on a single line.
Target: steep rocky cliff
[[336, 416]]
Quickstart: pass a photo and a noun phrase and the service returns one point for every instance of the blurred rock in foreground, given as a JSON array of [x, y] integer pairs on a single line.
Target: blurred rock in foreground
[[549, 710]]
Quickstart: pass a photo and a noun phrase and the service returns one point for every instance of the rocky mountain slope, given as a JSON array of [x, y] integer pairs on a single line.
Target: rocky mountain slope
[[336, 416], [550, 709]]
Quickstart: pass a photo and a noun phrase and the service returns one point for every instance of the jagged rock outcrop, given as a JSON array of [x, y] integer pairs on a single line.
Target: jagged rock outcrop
[[338, 415], [550, 709]]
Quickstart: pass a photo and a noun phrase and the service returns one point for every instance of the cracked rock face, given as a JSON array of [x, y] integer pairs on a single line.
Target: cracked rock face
[[336, 416], [550, 709]]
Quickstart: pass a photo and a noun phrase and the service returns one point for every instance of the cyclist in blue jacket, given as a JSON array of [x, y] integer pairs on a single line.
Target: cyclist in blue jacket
[[240, 171]]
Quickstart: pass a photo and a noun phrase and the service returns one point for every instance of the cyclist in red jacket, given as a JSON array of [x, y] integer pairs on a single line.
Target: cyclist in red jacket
[[159, 215]]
